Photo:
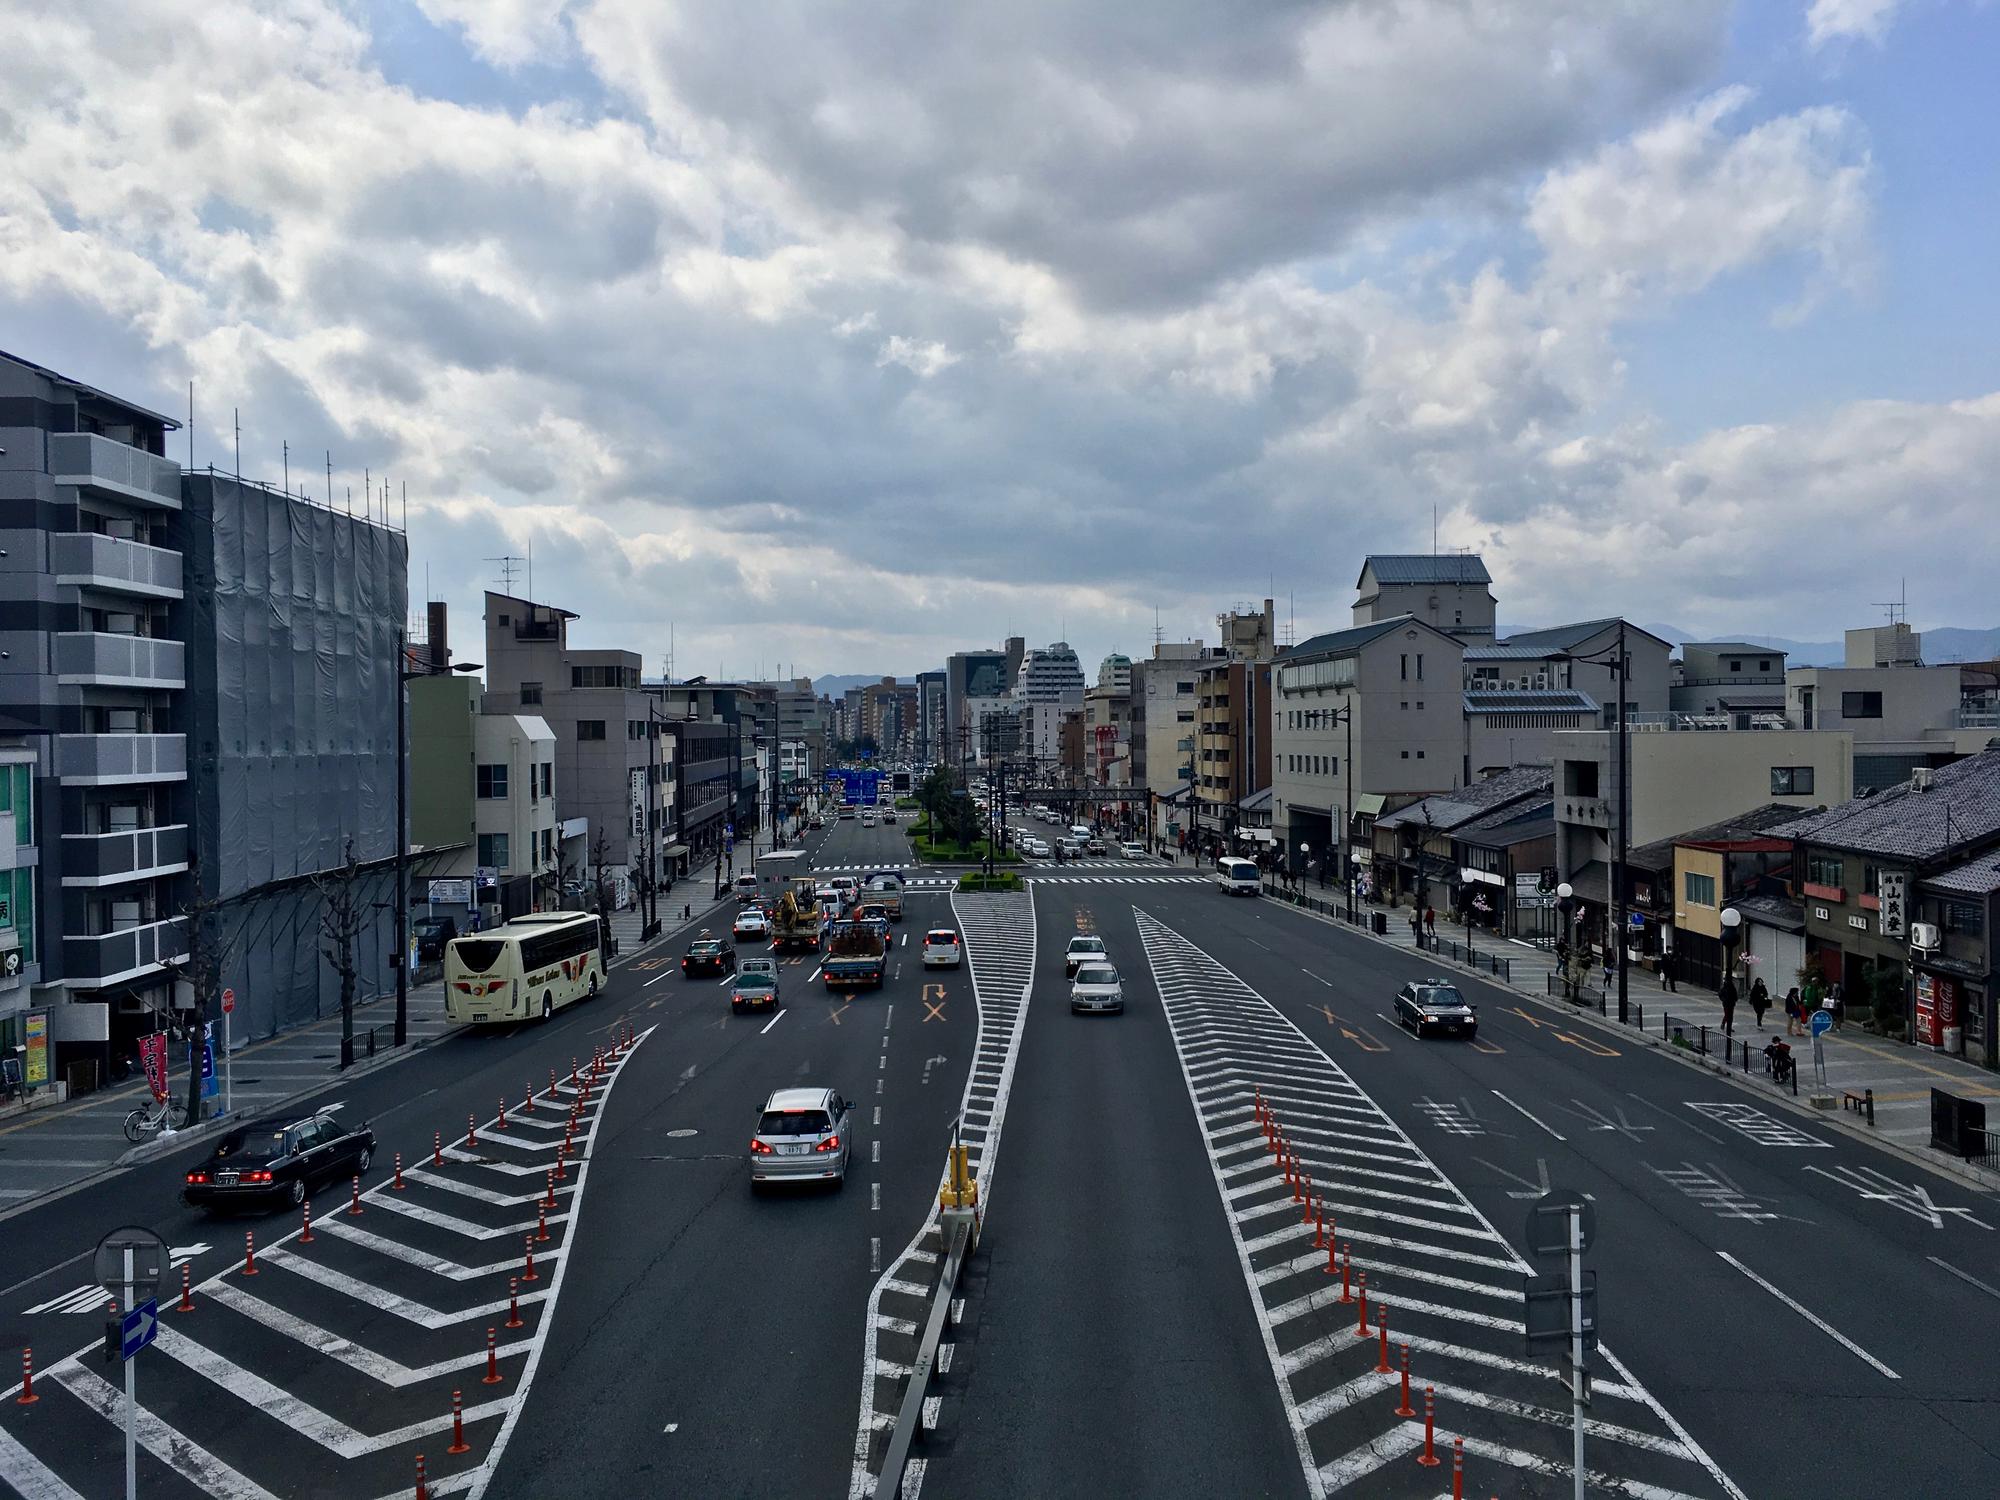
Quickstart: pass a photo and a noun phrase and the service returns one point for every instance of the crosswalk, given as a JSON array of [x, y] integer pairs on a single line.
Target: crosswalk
[[999, 933], [352, 1343], [1034, 878], [1451, 1286]]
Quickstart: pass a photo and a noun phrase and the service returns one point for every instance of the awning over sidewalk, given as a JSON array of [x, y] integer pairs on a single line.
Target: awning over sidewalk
[[674, 851]]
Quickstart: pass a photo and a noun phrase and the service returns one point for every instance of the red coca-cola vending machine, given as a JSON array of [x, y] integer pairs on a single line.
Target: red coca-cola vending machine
[[1939, 1026]]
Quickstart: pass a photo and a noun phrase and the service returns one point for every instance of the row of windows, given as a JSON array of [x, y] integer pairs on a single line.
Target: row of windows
[[1317, 674], [604, 677], [492, 780], [1861, 705], [494, 850], [1700, 888], [1791, 781], [1316, 765]]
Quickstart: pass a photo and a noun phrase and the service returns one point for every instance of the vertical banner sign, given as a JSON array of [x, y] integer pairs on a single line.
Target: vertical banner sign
[[36, 1035], [211, 1086], [1892, 885], [639, 803], [153, 1058]]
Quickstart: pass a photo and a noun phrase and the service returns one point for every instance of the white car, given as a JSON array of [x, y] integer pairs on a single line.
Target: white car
[[1096, 988], [751, 923], [942, 949], [1083, 950], [1132, 850], [868, 820]]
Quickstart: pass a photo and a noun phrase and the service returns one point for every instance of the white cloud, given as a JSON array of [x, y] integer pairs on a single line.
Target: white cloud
[[1219, 308], [1843, 20]]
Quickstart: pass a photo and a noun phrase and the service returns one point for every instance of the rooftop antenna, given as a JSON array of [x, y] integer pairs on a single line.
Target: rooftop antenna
[[236, 420], [288, 468], [406, 507], [190, 426], [1158, 634], [531, 568], [367, 494], [1434, 531], [329, 479], [509, 565]]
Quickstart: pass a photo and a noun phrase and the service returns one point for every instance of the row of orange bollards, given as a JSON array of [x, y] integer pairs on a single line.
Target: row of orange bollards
[[1353, 1289]]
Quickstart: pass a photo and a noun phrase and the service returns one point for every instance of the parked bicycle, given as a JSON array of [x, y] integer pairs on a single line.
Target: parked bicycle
[[150, 1119]]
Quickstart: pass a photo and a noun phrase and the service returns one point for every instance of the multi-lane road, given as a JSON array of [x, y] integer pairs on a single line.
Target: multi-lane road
[[1784, 1312]]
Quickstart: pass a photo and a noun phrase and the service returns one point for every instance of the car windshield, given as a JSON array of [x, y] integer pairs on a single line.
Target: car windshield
[[759, 966], [1441, 997], [1096, 974], [707, 947], [1086, 945], [251, 1144], [792, 1122], [476, 955]]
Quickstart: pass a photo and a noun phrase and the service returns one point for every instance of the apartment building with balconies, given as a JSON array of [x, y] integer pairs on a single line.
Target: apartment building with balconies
[[92, 746]]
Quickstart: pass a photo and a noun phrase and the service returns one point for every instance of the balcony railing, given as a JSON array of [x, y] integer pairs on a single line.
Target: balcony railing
[[119, 759], [132, 854], [84, 458], [112, 956], [101, 659], [89, 560], [1979, 716]]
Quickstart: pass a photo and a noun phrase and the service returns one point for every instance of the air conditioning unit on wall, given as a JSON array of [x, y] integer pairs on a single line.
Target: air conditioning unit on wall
[[1924, 935]]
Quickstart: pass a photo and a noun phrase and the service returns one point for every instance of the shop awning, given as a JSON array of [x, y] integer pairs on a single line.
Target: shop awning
[[674, 851], [1369, 804]]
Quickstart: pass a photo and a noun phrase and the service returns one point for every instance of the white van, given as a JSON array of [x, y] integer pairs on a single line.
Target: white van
[[1080, 832], [1239, 877]]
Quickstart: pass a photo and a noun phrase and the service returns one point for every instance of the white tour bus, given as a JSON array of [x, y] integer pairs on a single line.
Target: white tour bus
[[531, 966], [1239, 877]]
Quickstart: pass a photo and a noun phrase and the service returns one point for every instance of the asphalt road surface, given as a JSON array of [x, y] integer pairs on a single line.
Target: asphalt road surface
[[1785, 1311]]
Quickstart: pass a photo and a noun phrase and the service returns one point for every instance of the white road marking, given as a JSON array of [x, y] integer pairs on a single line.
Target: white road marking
[[1526, 1116], [1812, 1317], [672, 1427], [876, 1151], [1965, 1276], [878, 1114], [207, 1473], [775, 1019], [28, 1475], [875, 1197], [875, 1253], [323, 1341], [1911, 1198]]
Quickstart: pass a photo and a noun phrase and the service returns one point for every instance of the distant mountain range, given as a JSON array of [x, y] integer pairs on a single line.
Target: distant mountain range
[[1948, 643]]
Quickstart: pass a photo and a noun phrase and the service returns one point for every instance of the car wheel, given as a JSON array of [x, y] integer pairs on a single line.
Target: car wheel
[[593, 986], [298, 1192], [361, 1162], [548, 1006]]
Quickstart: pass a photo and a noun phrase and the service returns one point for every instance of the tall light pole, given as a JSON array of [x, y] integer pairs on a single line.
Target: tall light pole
[[1565, 893], [1345, 837], [404, 677], [1621, 671], [1732, 923]]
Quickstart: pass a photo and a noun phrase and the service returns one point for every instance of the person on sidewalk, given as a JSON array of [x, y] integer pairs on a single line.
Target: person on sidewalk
[[1760, 1000], [1727, 995], [1833, 1003], [1794, 1010], [1416, 928], [1431, 923], [1667, 970]]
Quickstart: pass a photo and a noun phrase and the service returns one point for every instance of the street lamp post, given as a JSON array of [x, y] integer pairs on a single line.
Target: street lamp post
[[404, 677], [1565, 903], [1621, 671], [1732, 923], [1345, 839]]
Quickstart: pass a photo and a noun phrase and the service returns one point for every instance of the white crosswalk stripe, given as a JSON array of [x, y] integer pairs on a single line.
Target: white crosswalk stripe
[[1451, 1284], [234, 1416]]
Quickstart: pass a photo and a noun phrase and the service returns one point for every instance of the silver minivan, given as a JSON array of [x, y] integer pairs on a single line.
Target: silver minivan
[[802, 1136]]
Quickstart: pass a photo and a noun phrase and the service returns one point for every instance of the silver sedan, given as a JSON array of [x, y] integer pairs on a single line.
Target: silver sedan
[[1096, 988], [802, 1135]]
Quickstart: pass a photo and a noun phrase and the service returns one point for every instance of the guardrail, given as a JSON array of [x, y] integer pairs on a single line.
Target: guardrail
[[958, 1212]]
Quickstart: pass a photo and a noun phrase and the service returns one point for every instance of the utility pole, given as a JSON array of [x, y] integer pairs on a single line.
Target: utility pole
[[1622, 673]]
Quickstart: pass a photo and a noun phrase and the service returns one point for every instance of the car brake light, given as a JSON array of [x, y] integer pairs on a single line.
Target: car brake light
[[256, 1176], [759, 1148], [197, 1177], [831, 1143]]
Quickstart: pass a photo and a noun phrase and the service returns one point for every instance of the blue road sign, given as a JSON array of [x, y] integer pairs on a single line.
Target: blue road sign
[[139, 1327], [1821, 1022]]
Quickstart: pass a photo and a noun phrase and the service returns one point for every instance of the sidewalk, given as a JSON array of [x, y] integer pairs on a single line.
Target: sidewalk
[[53, 1146], [1856, 1060]]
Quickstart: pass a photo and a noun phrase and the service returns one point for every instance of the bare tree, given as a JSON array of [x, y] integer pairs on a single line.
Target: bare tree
[[600, 858], [340, 923], [202, 968]]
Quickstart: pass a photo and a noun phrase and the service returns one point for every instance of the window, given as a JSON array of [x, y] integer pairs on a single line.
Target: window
[[531, 694], [1420, 755], [17, 907], [1825, 869], [548, 778], [1406, 666], [1871, 880], [607, 676], [17, 783], [1791, 781], [1579, 778], [1861, 705], [1404, 704], [1185, 716], [1333, 765], [1961, 916], [1735, 665], [590, 729], [1183, 687], [1763, 666], [1406, 755], [1700, 889], [493, 851], [492, 780], [1420, 666]]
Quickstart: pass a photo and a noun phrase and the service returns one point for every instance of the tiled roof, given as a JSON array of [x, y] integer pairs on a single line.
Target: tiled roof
[[1758, 822], [1568, 637], [1403, 567], [1530, 700], [1509, 812], [1505, 653], [1334, 641], [1773, 911], [1973, 878], [1510, 825], [1450, 810], [1727, 647], [1962, 807]]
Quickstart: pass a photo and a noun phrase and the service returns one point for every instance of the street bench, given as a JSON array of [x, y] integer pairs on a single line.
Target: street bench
[[1862, 1103]]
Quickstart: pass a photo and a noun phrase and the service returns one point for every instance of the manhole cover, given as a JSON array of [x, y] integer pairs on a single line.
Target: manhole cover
[[675, 1135]]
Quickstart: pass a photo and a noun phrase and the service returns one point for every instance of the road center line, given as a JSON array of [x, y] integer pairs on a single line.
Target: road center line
[[1811, 1317], [772, 1022], [1525, 1115], [1965, 1276]]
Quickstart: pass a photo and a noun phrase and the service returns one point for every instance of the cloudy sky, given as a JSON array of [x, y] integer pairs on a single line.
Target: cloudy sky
[[842, 335]]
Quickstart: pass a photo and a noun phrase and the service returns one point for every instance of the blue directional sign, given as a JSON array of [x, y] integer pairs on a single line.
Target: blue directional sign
[[1821, 1022], [139, 1327]]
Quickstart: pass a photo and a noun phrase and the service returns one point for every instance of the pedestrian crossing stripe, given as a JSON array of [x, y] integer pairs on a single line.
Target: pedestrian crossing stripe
[[1116, 879]]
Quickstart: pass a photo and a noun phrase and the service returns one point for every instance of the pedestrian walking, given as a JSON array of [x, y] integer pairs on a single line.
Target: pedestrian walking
[[1835, 1001], [1431, 922], [1416, 928], [1667, 970], [1760, 1000], [1794, 1011], [1727, 994]]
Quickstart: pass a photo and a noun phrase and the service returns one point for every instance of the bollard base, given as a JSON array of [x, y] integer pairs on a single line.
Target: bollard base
[[1820, 1101]]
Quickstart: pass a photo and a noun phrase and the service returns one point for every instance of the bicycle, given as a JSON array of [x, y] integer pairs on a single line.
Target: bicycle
[[148, 1119]]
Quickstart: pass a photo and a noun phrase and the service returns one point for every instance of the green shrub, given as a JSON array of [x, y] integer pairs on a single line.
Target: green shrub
[[1003, 880]]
